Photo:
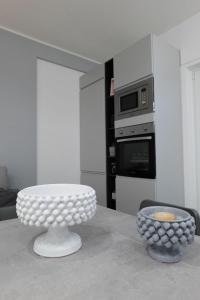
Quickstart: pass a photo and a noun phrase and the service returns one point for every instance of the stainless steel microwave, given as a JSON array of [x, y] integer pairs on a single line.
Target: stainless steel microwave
[[135, 99]]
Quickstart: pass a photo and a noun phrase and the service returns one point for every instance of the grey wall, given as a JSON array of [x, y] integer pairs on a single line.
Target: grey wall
[[18, 92]]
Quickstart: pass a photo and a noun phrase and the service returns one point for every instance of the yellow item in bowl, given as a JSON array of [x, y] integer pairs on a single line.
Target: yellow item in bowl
[[163, 216]]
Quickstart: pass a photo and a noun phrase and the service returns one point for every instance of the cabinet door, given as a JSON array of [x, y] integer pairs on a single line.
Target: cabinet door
[[130, 192], [92, 127], [98, 183], [133, 63]]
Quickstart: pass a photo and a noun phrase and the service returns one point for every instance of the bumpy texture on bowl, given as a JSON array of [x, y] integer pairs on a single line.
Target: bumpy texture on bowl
[[56, 206], [162, 235], [38, 209]]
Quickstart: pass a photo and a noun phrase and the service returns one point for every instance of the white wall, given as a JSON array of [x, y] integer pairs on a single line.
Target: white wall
[[58, 136], [186, 36], [18, 57]]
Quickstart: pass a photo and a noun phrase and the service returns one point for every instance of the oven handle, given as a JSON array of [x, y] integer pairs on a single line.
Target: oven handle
[[135, 139]]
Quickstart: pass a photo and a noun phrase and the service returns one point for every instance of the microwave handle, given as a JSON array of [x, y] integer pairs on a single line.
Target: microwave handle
[[135, 139]]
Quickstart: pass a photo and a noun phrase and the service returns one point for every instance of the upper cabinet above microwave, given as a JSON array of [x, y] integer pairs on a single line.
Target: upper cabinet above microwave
[[133, 63]]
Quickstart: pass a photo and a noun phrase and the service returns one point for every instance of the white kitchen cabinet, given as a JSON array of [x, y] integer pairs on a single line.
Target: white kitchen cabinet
[[130, 192], [98, 182], [92, 121], [168, 124], [152, 56], [92, 132], [133, 63]]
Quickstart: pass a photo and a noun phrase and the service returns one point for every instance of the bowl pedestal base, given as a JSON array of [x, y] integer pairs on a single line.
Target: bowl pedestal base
[[57, 242], [165, 255]]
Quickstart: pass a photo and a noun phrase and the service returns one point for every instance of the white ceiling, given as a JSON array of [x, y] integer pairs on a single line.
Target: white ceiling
[[97, 29], [185, 36]]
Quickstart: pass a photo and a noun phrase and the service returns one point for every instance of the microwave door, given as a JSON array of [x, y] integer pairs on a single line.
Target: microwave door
[[129, 102]]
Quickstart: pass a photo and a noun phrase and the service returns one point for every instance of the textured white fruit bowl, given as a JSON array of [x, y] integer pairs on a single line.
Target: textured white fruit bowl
[[56, 206]]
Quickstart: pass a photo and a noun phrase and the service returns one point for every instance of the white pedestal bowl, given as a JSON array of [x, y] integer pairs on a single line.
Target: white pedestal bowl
[[56, 206]]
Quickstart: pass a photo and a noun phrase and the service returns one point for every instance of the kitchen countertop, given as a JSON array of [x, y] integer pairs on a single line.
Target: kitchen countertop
[[111, 265]]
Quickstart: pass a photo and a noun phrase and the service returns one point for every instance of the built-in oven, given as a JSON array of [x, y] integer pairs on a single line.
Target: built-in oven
[[135, 99], [135, 151]]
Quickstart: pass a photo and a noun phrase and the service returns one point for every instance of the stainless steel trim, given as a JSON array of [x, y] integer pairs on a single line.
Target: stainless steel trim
[[135, 130], [135, 139], [135, 120], [92, 172]]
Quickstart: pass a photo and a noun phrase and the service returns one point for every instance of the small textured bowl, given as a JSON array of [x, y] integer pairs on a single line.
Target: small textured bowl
[[166, 240]]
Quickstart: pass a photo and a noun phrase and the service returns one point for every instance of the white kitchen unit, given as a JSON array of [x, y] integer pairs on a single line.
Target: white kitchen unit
[[168, 124], [133, 63], [58, 138], [98, 182], [92, 131], [161, 61], [130, 191]]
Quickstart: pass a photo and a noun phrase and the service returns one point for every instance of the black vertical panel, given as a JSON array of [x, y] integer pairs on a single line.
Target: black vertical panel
[[110, 139]]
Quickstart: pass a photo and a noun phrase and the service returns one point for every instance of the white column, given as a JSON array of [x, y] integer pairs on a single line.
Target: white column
[[58, 135]]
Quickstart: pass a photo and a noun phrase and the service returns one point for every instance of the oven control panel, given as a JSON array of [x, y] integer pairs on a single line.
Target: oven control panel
[[134, 130]]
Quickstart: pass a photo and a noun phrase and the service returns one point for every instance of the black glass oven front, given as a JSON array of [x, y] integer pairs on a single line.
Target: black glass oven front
[[136, 156]]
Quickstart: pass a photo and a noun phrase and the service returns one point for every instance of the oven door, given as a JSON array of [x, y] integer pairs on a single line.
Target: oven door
[[136, 156]]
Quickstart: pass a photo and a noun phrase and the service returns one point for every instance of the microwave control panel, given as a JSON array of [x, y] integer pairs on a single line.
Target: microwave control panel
[[144, 97]]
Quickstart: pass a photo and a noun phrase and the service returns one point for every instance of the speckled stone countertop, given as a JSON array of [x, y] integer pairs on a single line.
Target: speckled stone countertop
[[111, 265]]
